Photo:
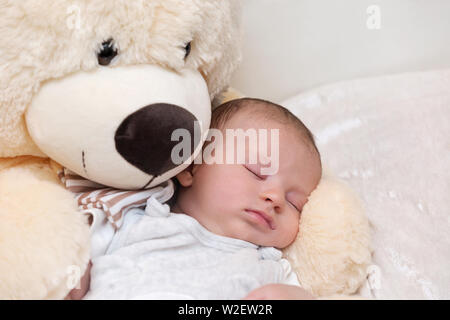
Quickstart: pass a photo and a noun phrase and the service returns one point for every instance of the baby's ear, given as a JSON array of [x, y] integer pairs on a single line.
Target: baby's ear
[[185, 177]]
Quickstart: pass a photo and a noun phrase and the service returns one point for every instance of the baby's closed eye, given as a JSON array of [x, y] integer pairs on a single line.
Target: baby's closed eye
[[255, 170], [294, 205], [297, 204]]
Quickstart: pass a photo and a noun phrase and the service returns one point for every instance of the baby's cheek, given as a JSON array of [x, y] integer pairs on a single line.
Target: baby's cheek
[[226, 198], [231, 184], [289, 234], [294, 231]]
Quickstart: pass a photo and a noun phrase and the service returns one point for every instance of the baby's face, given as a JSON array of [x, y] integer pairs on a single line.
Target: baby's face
[[237, 201]]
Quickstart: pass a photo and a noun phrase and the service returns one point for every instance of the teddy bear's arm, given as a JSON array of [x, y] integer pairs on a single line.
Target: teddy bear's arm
[[44, 239]]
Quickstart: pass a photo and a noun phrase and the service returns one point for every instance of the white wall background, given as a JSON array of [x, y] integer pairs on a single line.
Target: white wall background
[[293, 45]]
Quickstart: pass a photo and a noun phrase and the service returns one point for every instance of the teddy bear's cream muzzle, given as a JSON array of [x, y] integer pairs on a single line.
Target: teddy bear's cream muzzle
[[128, 113]]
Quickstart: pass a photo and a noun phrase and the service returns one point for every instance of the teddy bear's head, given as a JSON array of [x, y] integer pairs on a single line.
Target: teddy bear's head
[[100, 86]]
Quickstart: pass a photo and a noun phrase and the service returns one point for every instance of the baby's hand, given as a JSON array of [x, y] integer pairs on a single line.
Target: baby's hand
[[279, 292], [78, 294]]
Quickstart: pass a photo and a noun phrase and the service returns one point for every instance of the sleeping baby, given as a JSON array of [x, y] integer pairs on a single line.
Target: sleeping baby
[[221, 238]]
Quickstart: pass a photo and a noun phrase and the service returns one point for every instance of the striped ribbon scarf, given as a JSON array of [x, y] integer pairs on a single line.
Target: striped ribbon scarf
[[113, 202]]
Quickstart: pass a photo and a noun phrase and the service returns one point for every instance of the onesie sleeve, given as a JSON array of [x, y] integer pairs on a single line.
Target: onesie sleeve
[[289, 276], [102, 232]]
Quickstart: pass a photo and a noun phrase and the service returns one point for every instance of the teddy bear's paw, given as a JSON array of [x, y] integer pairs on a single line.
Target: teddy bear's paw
[[44, 239], [332, 251]]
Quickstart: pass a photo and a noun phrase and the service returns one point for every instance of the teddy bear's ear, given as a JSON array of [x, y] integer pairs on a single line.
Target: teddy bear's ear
[[332, 251], [220, 52], [226, 95]]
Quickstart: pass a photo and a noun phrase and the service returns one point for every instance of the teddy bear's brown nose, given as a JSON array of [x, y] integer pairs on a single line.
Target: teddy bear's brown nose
[[144, 137]]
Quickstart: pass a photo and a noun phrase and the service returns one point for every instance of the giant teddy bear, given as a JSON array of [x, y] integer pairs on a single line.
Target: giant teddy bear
[[96, 87]]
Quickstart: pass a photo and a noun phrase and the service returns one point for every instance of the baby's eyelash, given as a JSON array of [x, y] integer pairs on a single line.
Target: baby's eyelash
[[257, 175], [295, 207], [254, 173]]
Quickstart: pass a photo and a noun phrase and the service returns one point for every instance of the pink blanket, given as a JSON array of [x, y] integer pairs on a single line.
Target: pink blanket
[[389, 138]]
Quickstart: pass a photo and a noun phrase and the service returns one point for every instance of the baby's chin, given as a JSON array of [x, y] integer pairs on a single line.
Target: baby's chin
[[265, 238], [263, 242], [273, 241]]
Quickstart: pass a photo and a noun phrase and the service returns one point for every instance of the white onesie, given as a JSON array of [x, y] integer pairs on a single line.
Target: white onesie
[[157, 254]]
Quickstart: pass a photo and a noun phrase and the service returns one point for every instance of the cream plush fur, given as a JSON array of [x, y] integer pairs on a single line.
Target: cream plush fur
[[40, 238], [331, 251], [45, 43]]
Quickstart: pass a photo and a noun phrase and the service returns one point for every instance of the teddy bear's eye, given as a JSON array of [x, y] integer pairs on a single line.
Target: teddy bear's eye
[[188, 50], [107, 53]]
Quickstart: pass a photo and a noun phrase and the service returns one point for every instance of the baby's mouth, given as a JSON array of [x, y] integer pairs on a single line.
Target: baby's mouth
[[262, 217]]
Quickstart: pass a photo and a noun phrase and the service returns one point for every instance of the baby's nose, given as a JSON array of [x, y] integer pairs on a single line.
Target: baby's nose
[[274, 197]]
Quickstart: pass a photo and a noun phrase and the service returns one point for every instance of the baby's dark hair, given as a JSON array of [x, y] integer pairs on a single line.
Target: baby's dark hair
[[265, 109]]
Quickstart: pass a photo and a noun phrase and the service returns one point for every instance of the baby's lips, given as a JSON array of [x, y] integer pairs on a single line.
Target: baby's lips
[[265, 216]]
